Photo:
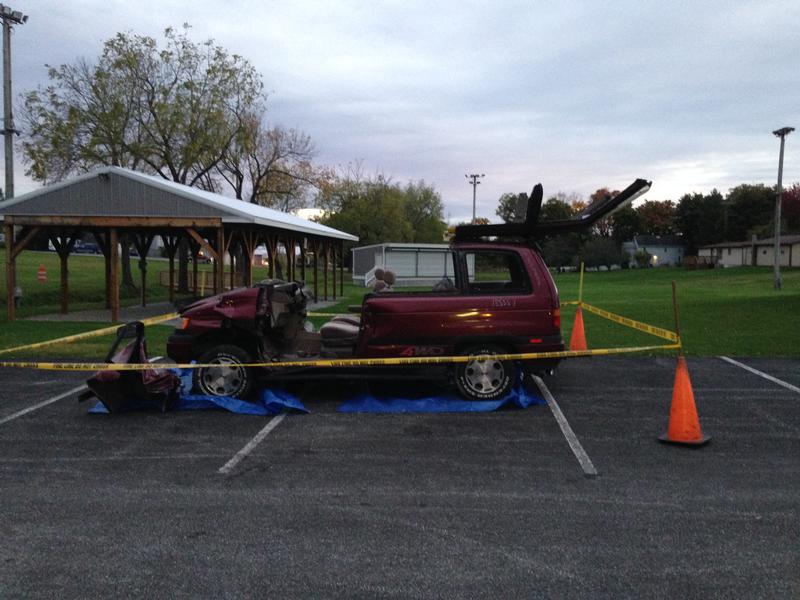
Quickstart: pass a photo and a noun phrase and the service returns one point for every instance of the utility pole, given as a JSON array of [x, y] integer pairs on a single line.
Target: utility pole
[[473, 181], [9, 17], [781, 133]]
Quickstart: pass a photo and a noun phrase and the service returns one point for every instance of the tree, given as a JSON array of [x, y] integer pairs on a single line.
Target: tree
[[555, 209], [511, 207], [558, 251], [376, 216], [625, 224], [790, 208], [377, 210], [425, 212], [602, 252], [269, 166], [700, 219], [657, 217], [173, 111], [750, 211], [603, 227]]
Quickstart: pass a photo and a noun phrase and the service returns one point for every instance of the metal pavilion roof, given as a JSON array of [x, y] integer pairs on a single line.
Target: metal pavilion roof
[[115, 191]]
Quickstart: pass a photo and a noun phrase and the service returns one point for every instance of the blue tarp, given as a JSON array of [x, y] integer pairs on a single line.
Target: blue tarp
[[441, 403], [268, 402], [273, 401]]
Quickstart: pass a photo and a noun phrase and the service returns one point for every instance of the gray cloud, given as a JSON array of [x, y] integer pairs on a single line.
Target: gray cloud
[[575, 95]]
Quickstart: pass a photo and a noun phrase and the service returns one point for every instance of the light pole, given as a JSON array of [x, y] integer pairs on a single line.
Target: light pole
[[9, 17], [781, 133], [473, 181]]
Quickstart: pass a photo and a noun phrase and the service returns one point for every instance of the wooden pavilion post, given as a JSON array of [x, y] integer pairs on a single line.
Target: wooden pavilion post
[[249, 243], [293, 241], [142, 242], [64, 243], [341, 269], [113, 285], [171, 246], [289, 244], [230, 249], [13, 249], [219, 275], [325, 268], [102, 242], [194, 247], [272, 251], [303, 259], [11, 270], [333, 266], [315, 249]]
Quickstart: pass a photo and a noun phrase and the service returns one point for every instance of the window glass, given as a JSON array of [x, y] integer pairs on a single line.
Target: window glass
[[496, 271]]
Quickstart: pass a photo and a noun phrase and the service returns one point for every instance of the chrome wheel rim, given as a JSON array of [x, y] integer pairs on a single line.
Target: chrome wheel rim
[[225, 378], [484, 375]]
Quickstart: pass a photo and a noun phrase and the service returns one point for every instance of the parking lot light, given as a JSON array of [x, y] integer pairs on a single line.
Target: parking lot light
[[776, 259]]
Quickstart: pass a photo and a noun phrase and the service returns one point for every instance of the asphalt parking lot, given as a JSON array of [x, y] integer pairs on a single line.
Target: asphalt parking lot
[[410, 506]]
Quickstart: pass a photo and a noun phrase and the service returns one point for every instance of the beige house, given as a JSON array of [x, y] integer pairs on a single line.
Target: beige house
[[754, 253]]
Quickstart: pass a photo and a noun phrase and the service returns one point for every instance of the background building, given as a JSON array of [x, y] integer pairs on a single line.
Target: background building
[[754, 253], [664, 250], [412, 264]]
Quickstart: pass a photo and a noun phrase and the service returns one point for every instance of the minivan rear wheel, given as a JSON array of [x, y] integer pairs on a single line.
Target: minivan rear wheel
[[485, 378]]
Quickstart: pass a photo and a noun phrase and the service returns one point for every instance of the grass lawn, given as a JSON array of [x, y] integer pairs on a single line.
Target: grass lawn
[[723, 311]]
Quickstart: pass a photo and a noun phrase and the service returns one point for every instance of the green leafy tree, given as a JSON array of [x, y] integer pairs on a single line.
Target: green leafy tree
[[378, 210], [425, 212], [555, 209], [511, 207], [172, 110], [625, 224], [376, 216], [750, 211], [700, 219]]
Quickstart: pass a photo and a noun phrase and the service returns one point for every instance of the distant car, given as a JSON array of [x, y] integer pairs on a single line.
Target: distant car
[[86, 248]]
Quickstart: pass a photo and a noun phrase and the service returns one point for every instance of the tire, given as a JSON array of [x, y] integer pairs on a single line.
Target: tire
[[229, 378], [485, 379]]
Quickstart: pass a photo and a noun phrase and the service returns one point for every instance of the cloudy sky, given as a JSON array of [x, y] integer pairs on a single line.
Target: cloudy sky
[[576, 95]]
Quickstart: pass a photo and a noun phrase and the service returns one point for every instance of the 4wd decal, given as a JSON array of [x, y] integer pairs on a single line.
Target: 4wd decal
[[423, 351]]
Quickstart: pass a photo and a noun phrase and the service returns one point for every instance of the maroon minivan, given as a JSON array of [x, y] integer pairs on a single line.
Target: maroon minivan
[[502, 300]]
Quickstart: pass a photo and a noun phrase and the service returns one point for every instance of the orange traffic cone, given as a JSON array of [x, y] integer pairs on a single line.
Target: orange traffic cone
[[577, 340], [684, 425]]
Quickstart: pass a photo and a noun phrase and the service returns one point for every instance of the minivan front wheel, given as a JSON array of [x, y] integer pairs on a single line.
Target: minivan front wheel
[[485, 378], [225, 374]]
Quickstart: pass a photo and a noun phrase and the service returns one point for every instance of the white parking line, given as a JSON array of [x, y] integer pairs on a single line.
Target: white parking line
[[788, 386], [25, 411], [572, 439], [248, 448], [49, 401]]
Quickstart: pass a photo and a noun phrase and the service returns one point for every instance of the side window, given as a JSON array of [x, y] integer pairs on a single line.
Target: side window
[[495, 271]]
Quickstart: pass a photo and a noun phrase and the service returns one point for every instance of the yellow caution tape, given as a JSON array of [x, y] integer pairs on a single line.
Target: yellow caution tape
[[86, 335], [344, 362], [570, 303], [633, 324]]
